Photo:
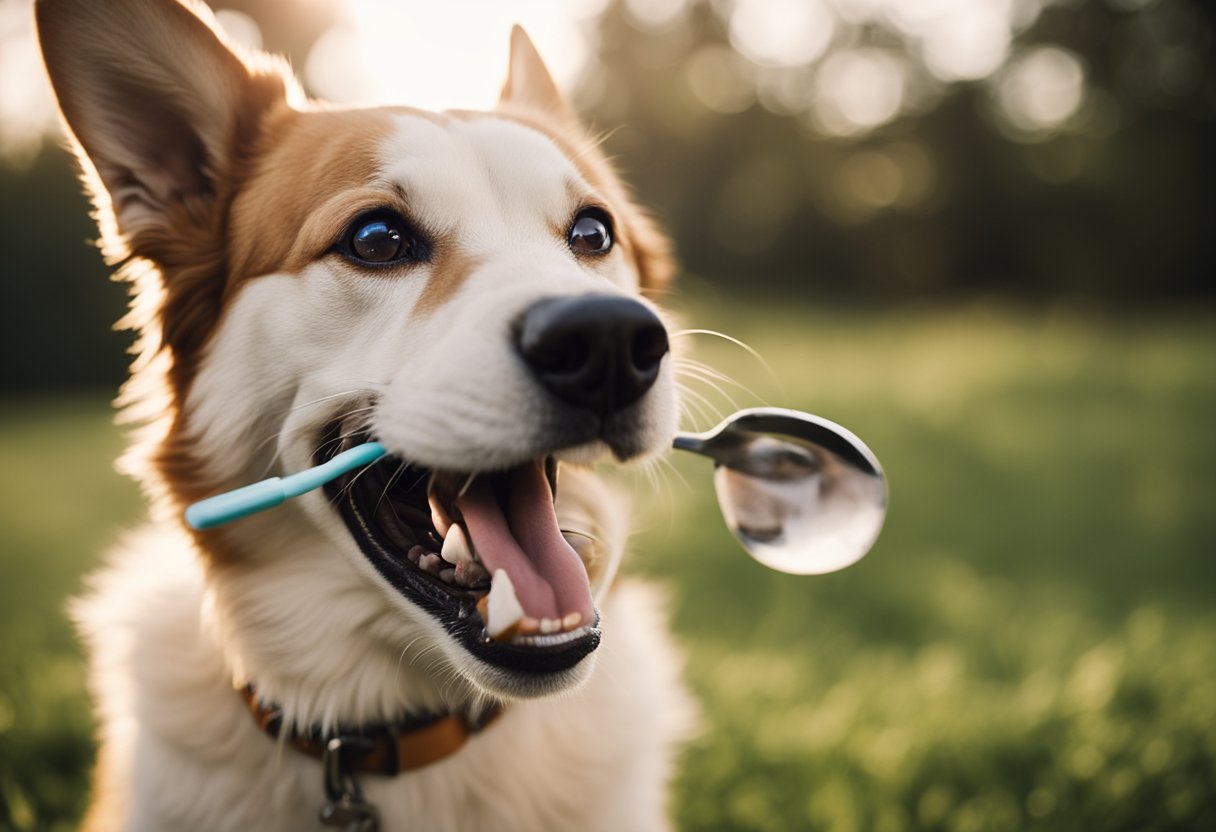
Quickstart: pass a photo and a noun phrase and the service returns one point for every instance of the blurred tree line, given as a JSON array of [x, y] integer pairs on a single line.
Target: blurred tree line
[[859, 164], [947, 197]]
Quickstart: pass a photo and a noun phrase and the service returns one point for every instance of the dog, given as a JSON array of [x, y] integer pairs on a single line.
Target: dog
[[436, 642]]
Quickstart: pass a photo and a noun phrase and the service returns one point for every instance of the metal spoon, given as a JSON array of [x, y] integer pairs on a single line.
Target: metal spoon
[[802, 494]]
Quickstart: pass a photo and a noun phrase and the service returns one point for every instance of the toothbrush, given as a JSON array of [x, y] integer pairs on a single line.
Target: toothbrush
[[233, 505]]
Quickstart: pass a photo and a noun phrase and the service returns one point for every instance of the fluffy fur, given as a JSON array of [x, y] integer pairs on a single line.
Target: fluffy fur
[[220, 193]]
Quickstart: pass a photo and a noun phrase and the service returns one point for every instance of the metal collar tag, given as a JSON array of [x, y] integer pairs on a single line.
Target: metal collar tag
[[344, 806]]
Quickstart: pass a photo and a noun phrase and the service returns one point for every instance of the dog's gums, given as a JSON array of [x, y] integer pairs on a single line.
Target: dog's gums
[[481, 552]]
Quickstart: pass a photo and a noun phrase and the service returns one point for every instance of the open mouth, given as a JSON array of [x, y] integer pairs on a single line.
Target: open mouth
[[482, 552]]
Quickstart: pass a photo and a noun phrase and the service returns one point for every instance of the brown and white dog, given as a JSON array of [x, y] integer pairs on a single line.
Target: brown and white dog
[[471, 290]]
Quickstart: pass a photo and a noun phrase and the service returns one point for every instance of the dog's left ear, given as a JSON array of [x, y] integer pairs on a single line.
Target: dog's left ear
[[530, 88], [529, 84]]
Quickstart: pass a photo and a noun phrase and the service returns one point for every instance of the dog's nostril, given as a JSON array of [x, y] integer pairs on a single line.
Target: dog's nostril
[[561, 355], [601, 352], [649, 347]]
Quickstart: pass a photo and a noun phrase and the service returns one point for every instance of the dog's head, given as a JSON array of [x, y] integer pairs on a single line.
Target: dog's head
[[468, 288]]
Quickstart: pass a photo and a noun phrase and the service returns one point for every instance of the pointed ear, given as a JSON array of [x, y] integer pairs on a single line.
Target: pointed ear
[[530, 89], [159, 108], [529, 84]]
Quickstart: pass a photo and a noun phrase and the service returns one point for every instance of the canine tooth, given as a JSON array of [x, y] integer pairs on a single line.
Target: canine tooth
[[456, 547], [503, 611], [430, 562], [572, 620], [448, 576], [439, 517]]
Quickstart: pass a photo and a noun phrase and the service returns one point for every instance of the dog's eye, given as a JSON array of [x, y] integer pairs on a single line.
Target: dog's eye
[[591, 232], [379, 238]]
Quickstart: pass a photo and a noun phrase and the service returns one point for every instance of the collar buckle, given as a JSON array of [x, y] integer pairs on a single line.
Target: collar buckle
[[344, 807]]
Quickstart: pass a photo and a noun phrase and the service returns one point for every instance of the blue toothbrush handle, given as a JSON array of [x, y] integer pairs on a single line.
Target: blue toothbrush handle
[[224, 508], [233, 505]]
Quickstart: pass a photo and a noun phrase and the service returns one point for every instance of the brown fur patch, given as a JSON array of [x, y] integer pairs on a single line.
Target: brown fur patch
[[451, 270], [302, 178], [315, 171], [307, 174]]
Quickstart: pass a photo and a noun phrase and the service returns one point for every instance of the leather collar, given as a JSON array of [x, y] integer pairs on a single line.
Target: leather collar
[[381, 748]]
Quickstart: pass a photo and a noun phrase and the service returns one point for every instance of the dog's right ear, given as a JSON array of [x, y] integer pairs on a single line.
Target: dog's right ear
[[159, 108]]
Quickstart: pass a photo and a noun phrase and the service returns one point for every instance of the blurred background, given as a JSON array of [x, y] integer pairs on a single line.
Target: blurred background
[[980, 233]]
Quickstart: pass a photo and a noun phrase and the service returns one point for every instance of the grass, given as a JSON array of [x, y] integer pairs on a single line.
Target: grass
[[1028, 647], [60, 504]]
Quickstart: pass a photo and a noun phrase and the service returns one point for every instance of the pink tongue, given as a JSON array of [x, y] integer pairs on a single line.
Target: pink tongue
[[549, 578]]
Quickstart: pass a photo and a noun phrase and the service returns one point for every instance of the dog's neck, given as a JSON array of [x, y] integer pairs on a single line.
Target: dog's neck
[[407, 744]]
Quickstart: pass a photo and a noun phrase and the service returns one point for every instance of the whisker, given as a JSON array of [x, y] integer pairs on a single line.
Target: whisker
[[693, 394], [346, 489], [681, 333], [689, 364], [692, 374], [694, 418], [648, 469], [401, 658], [669, 467], [467, 484], [389, 483], [322, 400], [341, 436], [424, 651], [290, 431], [656, 471], [688, 404], [665, 466]]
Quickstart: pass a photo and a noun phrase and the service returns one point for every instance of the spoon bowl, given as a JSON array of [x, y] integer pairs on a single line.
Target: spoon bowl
[[802, 494]]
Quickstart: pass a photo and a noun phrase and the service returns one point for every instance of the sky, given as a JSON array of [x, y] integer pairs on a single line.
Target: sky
[[796, 57]]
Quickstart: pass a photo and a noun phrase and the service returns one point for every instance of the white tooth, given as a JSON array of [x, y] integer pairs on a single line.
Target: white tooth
[[448, 576], [439, 517], [550, 625], [430, 563], [456, 547], [572, 620], [503, 611]]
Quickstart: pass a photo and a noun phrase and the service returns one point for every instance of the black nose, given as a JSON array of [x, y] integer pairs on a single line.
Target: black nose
[[600, 352]]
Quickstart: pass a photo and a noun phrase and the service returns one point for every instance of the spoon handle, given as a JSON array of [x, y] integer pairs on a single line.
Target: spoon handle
[[688, 442]]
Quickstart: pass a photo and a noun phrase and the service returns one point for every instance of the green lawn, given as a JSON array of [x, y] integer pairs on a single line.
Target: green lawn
[[1031, 645]]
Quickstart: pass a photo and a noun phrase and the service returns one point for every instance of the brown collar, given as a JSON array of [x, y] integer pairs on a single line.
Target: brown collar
[[382, 748]]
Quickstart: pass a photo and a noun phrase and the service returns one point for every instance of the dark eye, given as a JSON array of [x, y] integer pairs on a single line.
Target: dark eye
[[591, 232], [379, 238]]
